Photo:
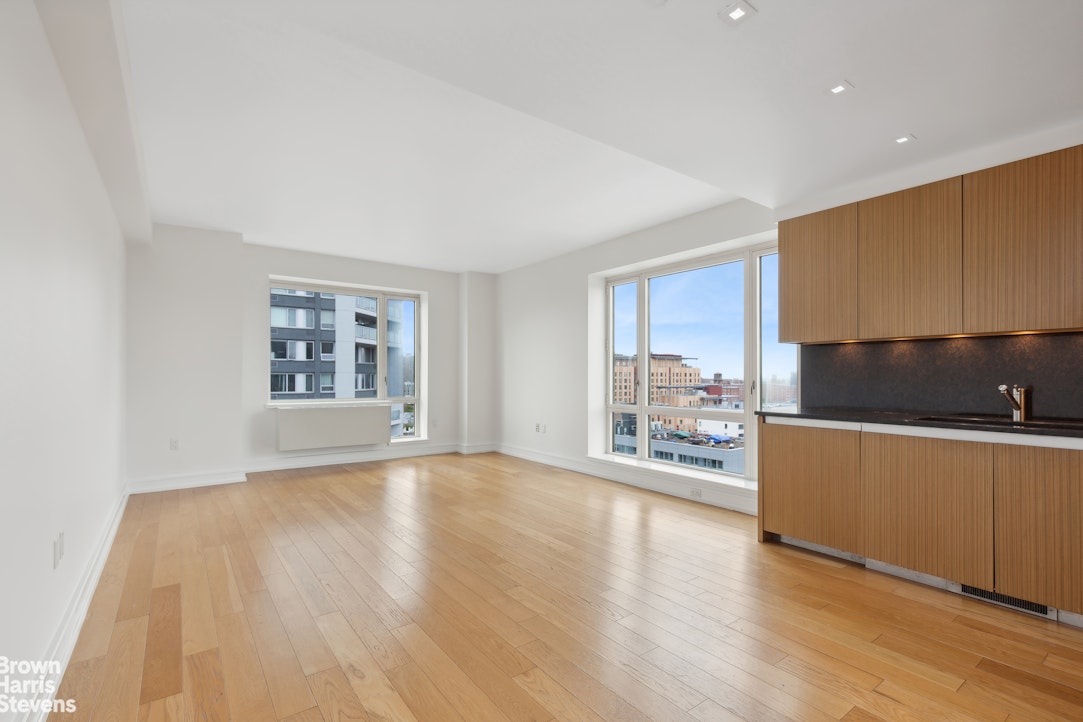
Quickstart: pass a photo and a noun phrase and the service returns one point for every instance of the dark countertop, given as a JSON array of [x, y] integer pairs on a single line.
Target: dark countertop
[[969, 422]]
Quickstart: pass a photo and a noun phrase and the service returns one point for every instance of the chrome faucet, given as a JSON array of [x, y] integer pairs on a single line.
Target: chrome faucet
[[1019, 399]]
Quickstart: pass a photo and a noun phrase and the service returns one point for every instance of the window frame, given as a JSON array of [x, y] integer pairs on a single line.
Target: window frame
[[323, 289], [643, 409]]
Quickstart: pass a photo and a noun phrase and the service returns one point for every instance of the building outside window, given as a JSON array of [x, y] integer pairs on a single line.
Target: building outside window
[[368, 343]]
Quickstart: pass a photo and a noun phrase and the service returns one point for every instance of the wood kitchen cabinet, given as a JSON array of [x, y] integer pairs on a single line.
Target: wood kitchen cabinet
[[1039, 525], [910, 246], [818, 276], [1023, 245], [995, 251], [810, 485], [928, 505]]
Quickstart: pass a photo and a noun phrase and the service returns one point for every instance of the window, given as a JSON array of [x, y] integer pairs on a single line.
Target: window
[[291, 350], [379, 362], [707, 331], [291, 383], [778, 361], [284, 317]]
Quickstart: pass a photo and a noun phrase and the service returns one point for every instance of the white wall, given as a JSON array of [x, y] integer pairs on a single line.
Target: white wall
[[479, 364], [184, 358], [61, 429], [552, 340], [199, 356]]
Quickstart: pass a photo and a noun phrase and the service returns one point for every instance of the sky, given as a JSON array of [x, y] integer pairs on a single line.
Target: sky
[[699, 315]]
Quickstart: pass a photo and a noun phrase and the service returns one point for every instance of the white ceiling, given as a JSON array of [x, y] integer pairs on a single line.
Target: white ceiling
[[487, 134]]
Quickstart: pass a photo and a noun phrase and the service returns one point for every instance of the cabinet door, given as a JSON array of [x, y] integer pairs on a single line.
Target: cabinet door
[[929, 505], [810, 486], [1039, 511], [911, 262], [1023, 244], [817, 258]]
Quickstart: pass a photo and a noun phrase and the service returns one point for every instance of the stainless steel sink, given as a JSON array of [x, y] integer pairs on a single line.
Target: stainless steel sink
[[1004, 422]]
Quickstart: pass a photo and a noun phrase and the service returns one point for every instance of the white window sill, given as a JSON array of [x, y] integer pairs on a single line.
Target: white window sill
[[678, 471], [323, 403]]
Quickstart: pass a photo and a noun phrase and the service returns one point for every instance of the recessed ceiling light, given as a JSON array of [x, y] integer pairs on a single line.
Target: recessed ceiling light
[[736, 12], [840, 88], [904, 139]]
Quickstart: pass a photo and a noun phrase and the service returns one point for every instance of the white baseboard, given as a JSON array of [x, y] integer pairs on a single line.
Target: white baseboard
[[478, 448], [714, 493], [63, 644], [183, 481]]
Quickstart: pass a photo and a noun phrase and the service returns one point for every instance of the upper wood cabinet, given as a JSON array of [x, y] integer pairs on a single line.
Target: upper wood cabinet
[[1038, 500], [995, 251], [811, 485], [910, 249], [1023, 244], [817, 290]]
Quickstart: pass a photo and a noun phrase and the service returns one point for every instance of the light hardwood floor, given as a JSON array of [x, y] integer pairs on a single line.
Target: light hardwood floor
[[484, 587]]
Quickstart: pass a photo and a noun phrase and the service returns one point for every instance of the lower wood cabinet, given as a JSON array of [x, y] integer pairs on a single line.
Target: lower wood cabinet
[[810, 485], [999, 517], [928, 505], [1039, 525]]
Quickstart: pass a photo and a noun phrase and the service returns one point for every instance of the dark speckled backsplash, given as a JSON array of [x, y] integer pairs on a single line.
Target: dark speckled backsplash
[[951, 375]]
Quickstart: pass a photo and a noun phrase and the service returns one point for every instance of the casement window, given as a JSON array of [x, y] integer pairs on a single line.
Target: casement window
[[291, 350], [369, 342], [291, 383], [284, 317], [692, 353]]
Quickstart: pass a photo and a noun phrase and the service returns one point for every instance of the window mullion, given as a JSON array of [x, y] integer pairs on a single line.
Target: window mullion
[[381, 345], [643, 426]]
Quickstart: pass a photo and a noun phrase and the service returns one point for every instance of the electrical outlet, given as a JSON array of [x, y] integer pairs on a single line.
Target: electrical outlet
[[58, 549], [695, 493], [537, 427], [174, 445]]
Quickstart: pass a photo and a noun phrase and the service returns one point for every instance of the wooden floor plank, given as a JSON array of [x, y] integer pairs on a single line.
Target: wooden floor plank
[[246, 687], [373, 689], [281, 669], [311, 649], [420, 694], [118, 697], [162, 661], [198, 631], [135, 599], [204, 688], [337, 700], [81, 683], [512, 700], [466, 697], [460, 588], [559, 701]]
